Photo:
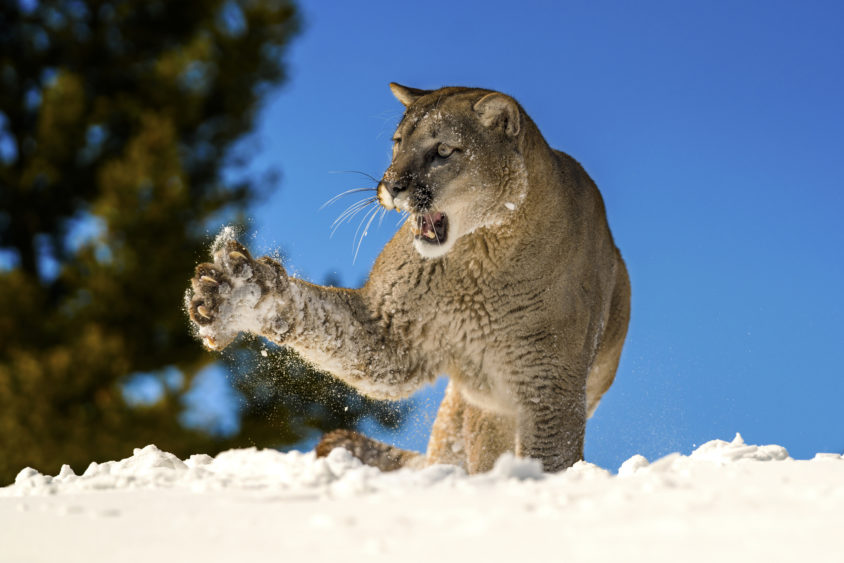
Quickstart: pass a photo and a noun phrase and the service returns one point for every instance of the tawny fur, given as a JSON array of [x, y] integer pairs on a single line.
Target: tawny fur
[[369, 451], [525, 304]]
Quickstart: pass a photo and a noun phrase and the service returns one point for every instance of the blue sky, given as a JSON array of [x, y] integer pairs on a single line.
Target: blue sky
[[715, 131]]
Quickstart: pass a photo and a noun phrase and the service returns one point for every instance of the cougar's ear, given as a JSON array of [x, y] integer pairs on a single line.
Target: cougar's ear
[[497, 108], [405, 94]]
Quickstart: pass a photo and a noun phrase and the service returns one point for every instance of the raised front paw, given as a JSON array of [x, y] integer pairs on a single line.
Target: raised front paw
[[237, 293]]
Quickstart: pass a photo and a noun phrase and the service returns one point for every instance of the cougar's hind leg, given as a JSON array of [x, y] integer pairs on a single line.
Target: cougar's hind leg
[[448, 442], [605, 364], [467, 436], [488, 436], [371, 452]]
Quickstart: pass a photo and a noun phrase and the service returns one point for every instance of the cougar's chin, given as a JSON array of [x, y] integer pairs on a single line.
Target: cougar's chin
[[432, 233]]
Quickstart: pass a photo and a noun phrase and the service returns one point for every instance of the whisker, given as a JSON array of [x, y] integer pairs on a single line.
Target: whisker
[[444, 262], [355, 208], [360, 224], [350, 212], [347, 192], [436, 236], [372, 214], [355, 205], [371, 177], [348, 220]]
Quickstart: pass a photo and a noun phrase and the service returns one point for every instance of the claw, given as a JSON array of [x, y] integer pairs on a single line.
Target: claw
[[202, 310], [210, 280], [237, 255]]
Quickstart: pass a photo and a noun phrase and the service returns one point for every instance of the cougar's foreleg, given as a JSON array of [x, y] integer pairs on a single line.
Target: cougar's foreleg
[[338, 331], [551, 414], [335, 329]]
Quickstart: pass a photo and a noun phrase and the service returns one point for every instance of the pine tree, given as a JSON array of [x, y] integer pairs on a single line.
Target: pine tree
[[117, 119]]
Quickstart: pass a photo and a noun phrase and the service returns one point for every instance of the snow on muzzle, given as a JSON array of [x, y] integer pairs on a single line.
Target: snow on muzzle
[[430, 227]]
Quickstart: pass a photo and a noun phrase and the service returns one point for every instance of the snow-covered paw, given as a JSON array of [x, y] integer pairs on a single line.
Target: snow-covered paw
[[232, 295]]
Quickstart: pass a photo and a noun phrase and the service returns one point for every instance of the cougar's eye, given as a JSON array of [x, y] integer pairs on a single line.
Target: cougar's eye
[[444, 150]]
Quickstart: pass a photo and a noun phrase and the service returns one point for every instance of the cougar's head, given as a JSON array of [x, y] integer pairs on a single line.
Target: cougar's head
[[456, 164]]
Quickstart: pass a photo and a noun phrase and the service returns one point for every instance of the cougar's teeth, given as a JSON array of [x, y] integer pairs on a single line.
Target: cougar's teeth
[[209, 279], [237, 255], [203, 311]]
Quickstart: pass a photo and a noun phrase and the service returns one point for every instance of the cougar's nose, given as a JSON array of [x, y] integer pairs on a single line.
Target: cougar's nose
[[393, 188]]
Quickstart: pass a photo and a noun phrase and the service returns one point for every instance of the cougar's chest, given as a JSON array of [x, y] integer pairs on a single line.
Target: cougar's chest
[[456, 312], [450, 310], [476, 336]]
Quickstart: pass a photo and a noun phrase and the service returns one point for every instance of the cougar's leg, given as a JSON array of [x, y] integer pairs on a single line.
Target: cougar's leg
[[467, 436], [487, 436], [447, 443], [463, 435], [371, 452], [602, 372]]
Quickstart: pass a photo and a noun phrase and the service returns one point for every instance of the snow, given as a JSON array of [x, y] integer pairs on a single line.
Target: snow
[[726, 501]]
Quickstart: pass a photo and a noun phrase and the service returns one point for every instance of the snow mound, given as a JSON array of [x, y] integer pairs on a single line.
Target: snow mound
[[715, 451], [726, 501], [259, 470], [341, 474]]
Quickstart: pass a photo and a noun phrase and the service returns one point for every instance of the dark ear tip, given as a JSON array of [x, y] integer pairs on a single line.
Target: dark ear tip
[[405, 94]]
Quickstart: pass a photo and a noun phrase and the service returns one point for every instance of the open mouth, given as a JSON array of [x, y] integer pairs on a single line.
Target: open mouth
[[430, 227]]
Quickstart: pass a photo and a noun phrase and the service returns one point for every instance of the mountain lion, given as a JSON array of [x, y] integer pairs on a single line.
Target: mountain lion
[[505, 277]]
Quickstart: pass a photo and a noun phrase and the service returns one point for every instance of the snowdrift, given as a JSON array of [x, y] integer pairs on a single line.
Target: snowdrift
[[726, 500]]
